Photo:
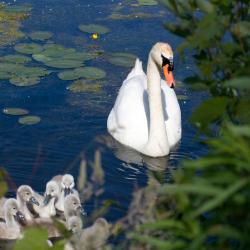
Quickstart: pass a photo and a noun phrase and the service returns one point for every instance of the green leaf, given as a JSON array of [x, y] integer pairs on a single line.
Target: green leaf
[[200, 188], [220, 198], [205, 6], [34, 238], [209, 111], [240, 83]]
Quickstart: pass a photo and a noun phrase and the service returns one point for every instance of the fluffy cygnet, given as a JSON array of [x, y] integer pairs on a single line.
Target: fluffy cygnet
[[10, 229], [93, 237], [72, 206], [66, 183], [47, 207], [26, 201]]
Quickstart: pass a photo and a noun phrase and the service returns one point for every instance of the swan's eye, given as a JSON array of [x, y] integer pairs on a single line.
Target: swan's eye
[[28, 193], [168, 61]]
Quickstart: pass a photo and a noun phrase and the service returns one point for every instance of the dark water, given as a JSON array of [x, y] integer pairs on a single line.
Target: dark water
[[72, 123]]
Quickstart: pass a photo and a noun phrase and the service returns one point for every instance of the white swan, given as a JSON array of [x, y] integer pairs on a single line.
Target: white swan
[[146, 115]]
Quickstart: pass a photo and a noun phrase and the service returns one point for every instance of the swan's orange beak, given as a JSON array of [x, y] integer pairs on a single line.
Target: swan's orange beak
[[168, 76]]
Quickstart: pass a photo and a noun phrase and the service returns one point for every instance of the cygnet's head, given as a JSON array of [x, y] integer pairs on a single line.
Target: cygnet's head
[[162, 54], [68, 184], [11, 208], [25, 193], [74, 224], [72, 205], [52, 190]]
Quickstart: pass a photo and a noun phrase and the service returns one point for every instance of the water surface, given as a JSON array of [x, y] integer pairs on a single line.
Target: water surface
[[75, 123]]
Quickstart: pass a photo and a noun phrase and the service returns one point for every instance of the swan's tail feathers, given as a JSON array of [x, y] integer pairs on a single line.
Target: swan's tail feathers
[[137, 70]]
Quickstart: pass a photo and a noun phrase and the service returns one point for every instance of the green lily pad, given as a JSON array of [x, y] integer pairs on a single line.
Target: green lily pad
[[41, 58], [24, 81], [41, 35], [83, 85], [81, 56], [122, 59], [147, 2], [34, 72], [63, 63], [56, 50], [16, 59], [18, 8], [94, 28], [29, 120], [28, 48], [4, 75], [87, 72], [11, 68], [15, 111]]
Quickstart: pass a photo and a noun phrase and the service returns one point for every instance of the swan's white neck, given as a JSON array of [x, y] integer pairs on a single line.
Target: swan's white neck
[[157, 144]]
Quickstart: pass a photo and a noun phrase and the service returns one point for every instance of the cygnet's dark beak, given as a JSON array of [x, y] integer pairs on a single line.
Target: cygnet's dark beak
[[47, 199], [20, 218], [34, 200], [82, 211], [67, 191]]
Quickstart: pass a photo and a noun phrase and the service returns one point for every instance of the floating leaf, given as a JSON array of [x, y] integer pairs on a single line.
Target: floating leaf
[[41, 35], [29, 119], [63, 63], [83, 85], [16, 58], [122, 59], [28, 48], [93, 28], [24, 81], [147, 2], [87, 72], [18, 8], [15, 111]]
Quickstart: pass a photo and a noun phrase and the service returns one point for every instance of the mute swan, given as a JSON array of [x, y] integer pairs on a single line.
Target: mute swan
[[10, 229], [146, 115]]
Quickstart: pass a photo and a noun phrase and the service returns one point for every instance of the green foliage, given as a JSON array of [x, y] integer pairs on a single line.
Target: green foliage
[[207, 205]]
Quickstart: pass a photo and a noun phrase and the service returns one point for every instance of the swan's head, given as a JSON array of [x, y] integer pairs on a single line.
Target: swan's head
[[74, 224], [26, 194], [52, 190], [162, 54], [68, 184], [11, 208]]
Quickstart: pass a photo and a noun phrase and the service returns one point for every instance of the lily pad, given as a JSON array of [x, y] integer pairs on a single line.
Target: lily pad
[[41, 35], [17, 59], [83, 85], [4, 75], [18, 8], [81, 56], [94, 28], [87, 72], [24, 81], [63, 63], [29, 120], [28, 48], [147, 2], [122, 59], [15, 111]]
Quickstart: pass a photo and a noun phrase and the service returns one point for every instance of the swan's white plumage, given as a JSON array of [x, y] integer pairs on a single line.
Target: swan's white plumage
[[128, 121]]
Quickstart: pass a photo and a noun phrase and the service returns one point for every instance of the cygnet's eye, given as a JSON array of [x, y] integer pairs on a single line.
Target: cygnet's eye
[[14, 208], [27, 193], [52, 190]]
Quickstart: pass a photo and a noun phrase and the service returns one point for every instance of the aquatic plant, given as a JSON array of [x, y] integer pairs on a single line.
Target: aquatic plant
[[206, 206], [11, 18]]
